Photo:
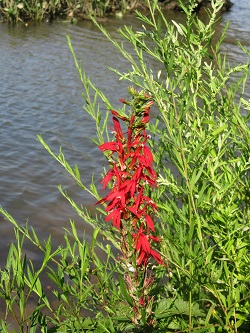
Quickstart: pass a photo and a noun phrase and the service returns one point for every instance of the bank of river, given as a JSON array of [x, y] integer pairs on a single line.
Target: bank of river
[[40, 93], [16, 11]]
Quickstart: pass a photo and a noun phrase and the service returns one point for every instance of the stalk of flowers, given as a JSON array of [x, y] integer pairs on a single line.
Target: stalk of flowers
[[128, 206], [131, 171]]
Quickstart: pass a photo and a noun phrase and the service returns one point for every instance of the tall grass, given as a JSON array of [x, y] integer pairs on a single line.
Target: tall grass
[[15, 11], [200, 143], [38, 10]]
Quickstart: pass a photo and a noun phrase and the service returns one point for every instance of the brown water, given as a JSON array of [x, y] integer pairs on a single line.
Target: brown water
[[40, 93]]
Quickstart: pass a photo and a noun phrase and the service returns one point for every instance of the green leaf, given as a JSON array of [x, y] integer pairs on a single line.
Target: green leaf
[[219, 130]]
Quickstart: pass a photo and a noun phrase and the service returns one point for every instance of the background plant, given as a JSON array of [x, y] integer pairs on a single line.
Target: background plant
[[35, 10], [14, 11], [200, 143]]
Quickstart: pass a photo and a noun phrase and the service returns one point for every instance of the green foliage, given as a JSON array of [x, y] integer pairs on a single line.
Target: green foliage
[[24, 10], [201, 142], [37, 10]]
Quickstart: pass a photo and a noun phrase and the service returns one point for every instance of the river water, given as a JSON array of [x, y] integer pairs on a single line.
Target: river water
[[40, 93]]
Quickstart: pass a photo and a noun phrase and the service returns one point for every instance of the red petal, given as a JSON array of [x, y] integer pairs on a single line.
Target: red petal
[[134, 211], [107, 177], [115, 217], [123, 101], [109, 146], [157, 257], [117, 128], [142, 259], [150, 223], [143, 243]]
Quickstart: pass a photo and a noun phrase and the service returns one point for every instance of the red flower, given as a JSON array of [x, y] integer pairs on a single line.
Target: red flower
[[115, 217], [123, 101], [142, 245], [113, 146], [110, 174]]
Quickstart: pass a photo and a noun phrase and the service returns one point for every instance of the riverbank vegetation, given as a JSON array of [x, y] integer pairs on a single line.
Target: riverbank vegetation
[[173, 223], [15, 11]]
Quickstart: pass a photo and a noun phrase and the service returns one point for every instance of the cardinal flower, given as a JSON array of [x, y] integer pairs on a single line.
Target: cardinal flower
[[131, 171]]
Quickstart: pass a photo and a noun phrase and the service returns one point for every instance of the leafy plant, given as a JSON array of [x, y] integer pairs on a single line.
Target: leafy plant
[[200, 143]]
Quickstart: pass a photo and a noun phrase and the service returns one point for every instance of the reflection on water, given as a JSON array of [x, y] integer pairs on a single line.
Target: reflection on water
[[41, 94]]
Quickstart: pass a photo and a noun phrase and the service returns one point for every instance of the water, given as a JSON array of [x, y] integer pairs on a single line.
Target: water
[[40, 93]]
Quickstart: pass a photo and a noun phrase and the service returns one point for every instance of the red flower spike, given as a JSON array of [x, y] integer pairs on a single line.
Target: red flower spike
[[131, 169]]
